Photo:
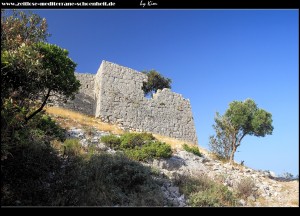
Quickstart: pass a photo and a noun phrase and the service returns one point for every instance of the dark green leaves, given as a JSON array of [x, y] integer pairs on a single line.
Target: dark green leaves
[[248, 118], [240, 119], [155, 81]]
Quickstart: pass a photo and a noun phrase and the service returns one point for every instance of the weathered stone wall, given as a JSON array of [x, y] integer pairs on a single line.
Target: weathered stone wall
[[84, 101], [121, 100], [115, 95]]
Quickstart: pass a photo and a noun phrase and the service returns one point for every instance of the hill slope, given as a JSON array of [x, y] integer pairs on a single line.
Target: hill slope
[[259, 187]]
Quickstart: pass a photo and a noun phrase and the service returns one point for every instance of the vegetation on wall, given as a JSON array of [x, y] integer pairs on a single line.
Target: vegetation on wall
[[155, 81]]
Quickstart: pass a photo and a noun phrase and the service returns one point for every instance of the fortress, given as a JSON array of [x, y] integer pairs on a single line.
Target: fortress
[[115, 95]]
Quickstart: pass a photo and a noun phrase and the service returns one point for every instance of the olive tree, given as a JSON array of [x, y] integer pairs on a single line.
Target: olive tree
[[240, 119]]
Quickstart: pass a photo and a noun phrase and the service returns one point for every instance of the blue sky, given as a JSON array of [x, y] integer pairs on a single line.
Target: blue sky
[[212, 56]]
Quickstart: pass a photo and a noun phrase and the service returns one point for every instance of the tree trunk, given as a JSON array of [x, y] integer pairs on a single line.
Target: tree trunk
[[231, 159], [40, 108], [235, 145]]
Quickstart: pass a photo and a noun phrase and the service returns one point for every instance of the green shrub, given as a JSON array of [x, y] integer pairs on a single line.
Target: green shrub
[[132, 140], [192, 149], [135, 154], [50, 127], [111, 141], [150, 150], [72, 147], [147, 136], [157, 150]]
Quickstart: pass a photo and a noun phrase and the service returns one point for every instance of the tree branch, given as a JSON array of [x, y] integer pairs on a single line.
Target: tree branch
[[239, 141], [40, 108]]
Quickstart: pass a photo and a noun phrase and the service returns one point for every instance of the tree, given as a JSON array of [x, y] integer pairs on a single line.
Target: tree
[[221, 143], [240, 119], [20, 31], [32, 70], [155, 81], [58, 76]]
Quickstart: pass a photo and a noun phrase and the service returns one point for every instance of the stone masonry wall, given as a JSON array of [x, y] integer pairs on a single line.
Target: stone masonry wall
[[121, 100], [115, 95], [84, 101]]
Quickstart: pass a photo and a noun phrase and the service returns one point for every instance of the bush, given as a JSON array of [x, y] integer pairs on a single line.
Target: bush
[[150, 150], [157, 150], [132, 140], [147, 136], [107, 180], [14, 132], [111, 141], [192, 149], [51, 129], [26, 176], [215, 196], [202, 191], [37, 176], [138, 146], [34, 174], [245, 188]]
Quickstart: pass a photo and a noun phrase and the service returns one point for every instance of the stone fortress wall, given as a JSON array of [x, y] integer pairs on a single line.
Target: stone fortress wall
[[115, 95], [84, 101]]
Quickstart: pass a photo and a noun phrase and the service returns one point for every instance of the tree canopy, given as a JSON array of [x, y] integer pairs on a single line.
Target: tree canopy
[[155, 81], [31, 69], [240, 119]]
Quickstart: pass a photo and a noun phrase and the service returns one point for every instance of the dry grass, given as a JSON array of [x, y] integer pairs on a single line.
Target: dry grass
[[294, 202], [177, 144], [68, 118]]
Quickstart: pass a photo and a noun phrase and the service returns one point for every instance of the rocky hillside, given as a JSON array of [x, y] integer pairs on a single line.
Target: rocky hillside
[[255, 188]]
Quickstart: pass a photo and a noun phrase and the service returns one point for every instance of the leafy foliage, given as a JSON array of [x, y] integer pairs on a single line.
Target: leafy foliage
[[20, 31], [192, 149], [239, 120], [111, 141], [132, 140], [155, 81], [138, 146], [50, 128], [149, 151], [221, 143], [23, 27], [32, 70]]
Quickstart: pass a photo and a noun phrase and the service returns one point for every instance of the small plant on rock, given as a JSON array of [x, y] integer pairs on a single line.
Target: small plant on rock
[[192, 149]]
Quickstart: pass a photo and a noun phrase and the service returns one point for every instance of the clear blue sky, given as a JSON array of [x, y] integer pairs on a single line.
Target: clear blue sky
[[213, 58]]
